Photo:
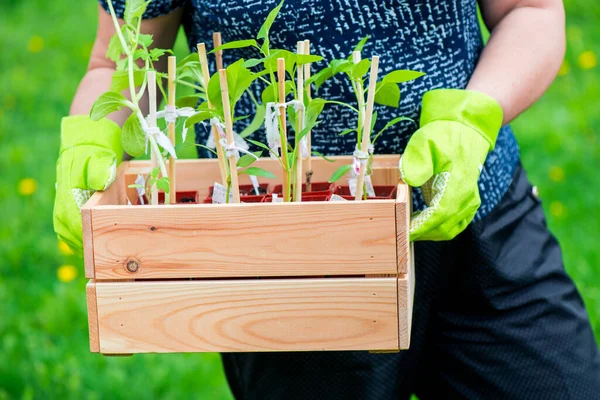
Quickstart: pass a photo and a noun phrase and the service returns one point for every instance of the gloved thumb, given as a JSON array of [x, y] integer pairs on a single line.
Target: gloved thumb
[[416, 164], [101, 171]]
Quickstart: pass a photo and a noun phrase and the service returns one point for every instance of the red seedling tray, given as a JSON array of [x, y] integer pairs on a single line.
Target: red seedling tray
[[387, 192], [190, 197], [252, 199], [351, 198], [315, 188]]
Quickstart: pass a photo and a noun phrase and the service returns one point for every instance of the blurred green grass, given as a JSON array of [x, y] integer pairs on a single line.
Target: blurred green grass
[[43, 326]]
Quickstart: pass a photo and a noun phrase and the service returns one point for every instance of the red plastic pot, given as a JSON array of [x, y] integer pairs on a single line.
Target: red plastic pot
[[248, 190], [351, 198], [383, 191], [315, 188], [190, 197], [252, 199]]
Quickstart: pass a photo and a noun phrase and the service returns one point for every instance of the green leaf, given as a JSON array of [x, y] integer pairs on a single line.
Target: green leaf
[[401, 75], [107, 103], [155, 53], [314, 110], [389, 125], [120, 80], [115, 51], [359, 70], [346, 131], [268, 95], [237, 44], [360, 45], [145, 40], [134, 9], [199, 117], [163, 184], [340, 172], [323, 156], [256, 123], [387, 94], [256, 171], [289, 57], [154, 173], [133, 137], [263, 32], [206, 148], [247, 159], [135, 186], [259, 144], [302, 59], [338, 66], [188, 101], [320, 77]]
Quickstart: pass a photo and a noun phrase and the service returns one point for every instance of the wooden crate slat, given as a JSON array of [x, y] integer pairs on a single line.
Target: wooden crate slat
[[236, 240], [403, 207], [406, 293], [248, 315], [92, 308]]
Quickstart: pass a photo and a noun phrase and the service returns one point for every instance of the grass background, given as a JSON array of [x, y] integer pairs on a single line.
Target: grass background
[[43, 327]]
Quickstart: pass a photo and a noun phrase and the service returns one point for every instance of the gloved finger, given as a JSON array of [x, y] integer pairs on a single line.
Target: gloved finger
[[453, 200], [453, 226], [416, 164], [88, 168], [67, 229]]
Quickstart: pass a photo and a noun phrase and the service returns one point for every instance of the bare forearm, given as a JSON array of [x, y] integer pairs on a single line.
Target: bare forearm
[[523, 55]]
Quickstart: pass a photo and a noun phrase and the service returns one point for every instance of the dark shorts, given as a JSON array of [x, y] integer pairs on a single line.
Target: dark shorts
[[495, 317]]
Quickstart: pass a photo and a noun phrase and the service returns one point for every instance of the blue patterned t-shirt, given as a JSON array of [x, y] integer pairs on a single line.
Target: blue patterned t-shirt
[[439, 37]]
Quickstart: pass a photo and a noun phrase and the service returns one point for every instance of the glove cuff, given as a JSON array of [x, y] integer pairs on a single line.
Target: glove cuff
[[80, 130], [477, 110]]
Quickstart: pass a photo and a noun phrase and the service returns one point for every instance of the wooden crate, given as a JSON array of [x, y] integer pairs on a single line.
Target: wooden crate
[[247, 277]]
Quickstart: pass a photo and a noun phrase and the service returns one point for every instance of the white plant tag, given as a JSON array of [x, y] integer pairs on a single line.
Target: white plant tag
[[255, 184], [141, 191], [220, 193], [369, 186], [277, 199], [352, 186], [335, 197]]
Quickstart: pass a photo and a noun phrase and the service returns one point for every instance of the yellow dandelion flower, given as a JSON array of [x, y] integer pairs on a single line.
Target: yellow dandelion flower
[[557, 209], [27, 186], [587, 60], [35, 44], [66, 273], [557, 174], [64, 249], [564, 68]]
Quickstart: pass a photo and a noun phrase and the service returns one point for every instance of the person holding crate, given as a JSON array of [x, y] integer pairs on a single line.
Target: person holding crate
[[495, 313]]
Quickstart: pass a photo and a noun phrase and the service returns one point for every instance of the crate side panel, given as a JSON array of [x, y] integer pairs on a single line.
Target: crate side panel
[[403, 207], [248, 315], [291, 239], [92, 307], [406, 293]]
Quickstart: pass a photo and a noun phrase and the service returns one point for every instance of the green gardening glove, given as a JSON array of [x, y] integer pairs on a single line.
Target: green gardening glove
[[88, 158], [445, 157]]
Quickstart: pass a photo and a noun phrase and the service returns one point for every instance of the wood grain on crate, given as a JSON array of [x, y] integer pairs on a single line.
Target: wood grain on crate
[[334, 238], [88, 242], [406, 293], [403, 200], [92, 308], [248, 315]]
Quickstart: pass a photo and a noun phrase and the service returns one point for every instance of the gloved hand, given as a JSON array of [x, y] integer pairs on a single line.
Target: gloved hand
[[88, 158], [445, 157]]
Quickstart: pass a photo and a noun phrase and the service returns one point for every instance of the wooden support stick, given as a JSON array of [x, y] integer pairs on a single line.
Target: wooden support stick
[[215, 132], [283, 129], [309, 170], [229, 132], [217, 42], [172, 65], [299, 127], [151, 124], [366, 135]]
